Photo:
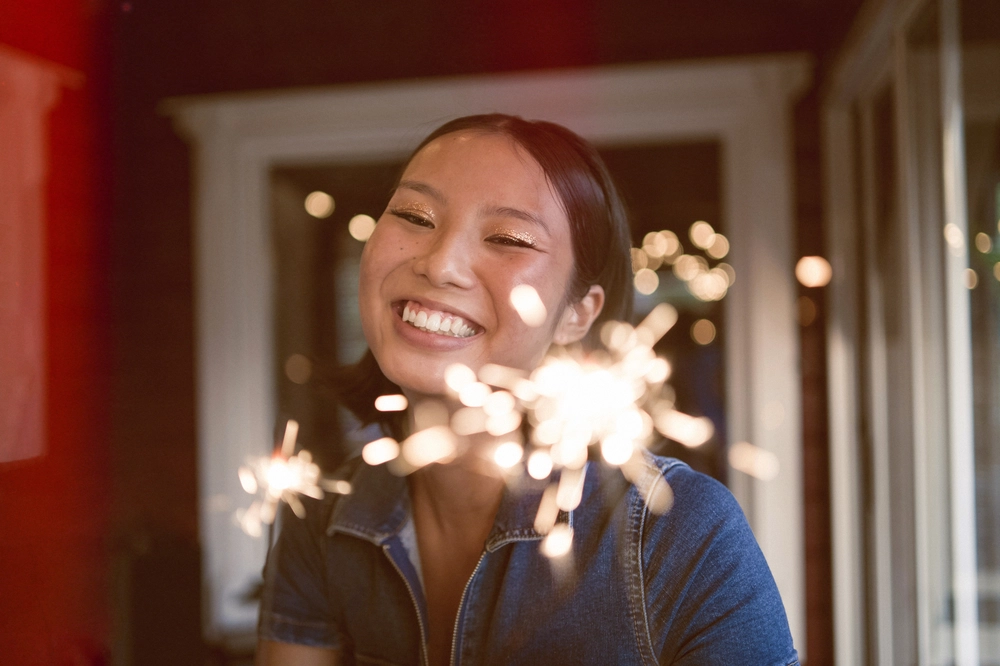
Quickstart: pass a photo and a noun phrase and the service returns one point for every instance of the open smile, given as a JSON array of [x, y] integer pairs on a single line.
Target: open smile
[[439, 322]]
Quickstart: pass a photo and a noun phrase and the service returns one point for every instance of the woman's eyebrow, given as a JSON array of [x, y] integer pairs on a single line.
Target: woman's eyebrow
[[507, 211], [422, 188]]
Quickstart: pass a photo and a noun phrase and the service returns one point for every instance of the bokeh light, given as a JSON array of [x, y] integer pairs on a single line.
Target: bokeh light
[[391, 403], [754, 461], [361, 227], [528, 305], [983, 243], [298, 368], [813, 271], [703, 332], [646, 281], [319, 204], [970, 278]]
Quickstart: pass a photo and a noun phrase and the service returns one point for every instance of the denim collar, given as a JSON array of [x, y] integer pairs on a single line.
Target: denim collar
[[379, 506]]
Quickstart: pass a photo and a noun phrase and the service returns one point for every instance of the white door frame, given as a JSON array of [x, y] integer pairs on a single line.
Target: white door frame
[[745, 104]]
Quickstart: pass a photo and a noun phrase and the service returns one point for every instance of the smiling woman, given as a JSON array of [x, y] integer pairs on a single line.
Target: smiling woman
[[444, 566]]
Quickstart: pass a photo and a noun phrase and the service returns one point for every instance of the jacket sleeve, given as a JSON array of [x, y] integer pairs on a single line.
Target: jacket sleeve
[[710, 597], [295, 605]]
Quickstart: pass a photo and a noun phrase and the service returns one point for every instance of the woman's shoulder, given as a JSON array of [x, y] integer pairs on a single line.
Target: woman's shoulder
[[671, 489]]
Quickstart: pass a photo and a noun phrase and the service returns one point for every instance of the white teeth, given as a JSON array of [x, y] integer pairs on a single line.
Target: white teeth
[[437, 322]]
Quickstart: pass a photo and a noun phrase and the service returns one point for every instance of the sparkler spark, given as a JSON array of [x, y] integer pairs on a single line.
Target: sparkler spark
[[282, 477]]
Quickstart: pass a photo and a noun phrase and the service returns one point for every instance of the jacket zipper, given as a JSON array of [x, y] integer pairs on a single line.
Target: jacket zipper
[[461, 602], [424, 659]]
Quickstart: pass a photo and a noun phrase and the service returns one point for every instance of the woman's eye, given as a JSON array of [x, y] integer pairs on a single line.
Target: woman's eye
[[512, 241], [413, 218]]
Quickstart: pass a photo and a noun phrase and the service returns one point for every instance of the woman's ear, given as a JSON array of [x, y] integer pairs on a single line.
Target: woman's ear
[[577, 317]]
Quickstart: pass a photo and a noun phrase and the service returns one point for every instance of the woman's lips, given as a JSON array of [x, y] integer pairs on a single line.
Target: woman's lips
[[439, 322]]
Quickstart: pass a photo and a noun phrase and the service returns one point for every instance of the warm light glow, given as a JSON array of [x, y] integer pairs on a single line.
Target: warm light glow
[[646, 281], [655, 244], [468, 421], [499, 403], [703, 331], [813, 271], [996, 271], [970, 278], [954, 236], [558, 542], [457, 375], [691, 431], [528, 305], [248, 480], [361, 227], [391, 403], [702, 234], [428, 446], [508, 454], [298, 368], [474, 394], [617, 449], [539, 464], [983, 243], [719, 247], [687, 266], [279, 476], [380, 451], [728, 270], [319, 204], [288, 441], [640, 259], [753, 460]]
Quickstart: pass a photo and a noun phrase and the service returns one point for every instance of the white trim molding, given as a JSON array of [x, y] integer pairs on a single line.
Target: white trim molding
[[30, 88], [744, 104]]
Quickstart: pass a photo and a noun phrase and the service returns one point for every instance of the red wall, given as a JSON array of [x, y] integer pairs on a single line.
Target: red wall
[[54, 509]]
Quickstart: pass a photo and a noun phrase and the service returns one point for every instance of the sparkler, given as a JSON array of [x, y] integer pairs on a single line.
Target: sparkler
[[612, 400], [282, 477]]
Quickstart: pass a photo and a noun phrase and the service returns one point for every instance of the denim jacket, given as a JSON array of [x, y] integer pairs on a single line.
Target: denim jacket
[[689, 586]]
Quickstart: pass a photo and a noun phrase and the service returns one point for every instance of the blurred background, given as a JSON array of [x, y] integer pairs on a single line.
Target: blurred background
[[180, 191]]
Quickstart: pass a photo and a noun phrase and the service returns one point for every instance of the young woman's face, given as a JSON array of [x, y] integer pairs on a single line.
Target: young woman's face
[[472, 218]]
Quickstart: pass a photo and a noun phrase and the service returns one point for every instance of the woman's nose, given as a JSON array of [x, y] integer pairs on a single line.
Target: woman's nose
[[447, 260]]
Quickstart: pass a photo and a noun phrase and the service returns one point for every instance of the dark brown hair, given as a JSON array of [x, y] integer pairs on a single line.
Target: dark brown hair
[[598, 227]]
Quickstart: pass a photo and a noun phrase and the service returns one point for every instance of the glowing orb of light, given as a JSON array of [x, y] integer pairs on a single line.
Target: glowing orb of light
[[753, 460], [528, 305], [435, 444], [655, 244], [617, 450], [640, 259], [298, 368], [703, 331], [691, 431], [361, 227], [508, 454], [279, 476], [970, 278], [248, 480], [702, 234], [391, 403], [646, 281], [558, 542], [380, 451], [319, 204], [813, 271], [474, 394], [954, 236], [983, 243], [539, 464], [719, 247], [457, 375]]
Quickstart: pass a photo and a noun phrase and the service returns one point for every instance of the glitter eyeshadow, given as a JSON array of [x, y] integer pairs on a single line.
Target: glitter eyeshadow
[[521, 236]]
